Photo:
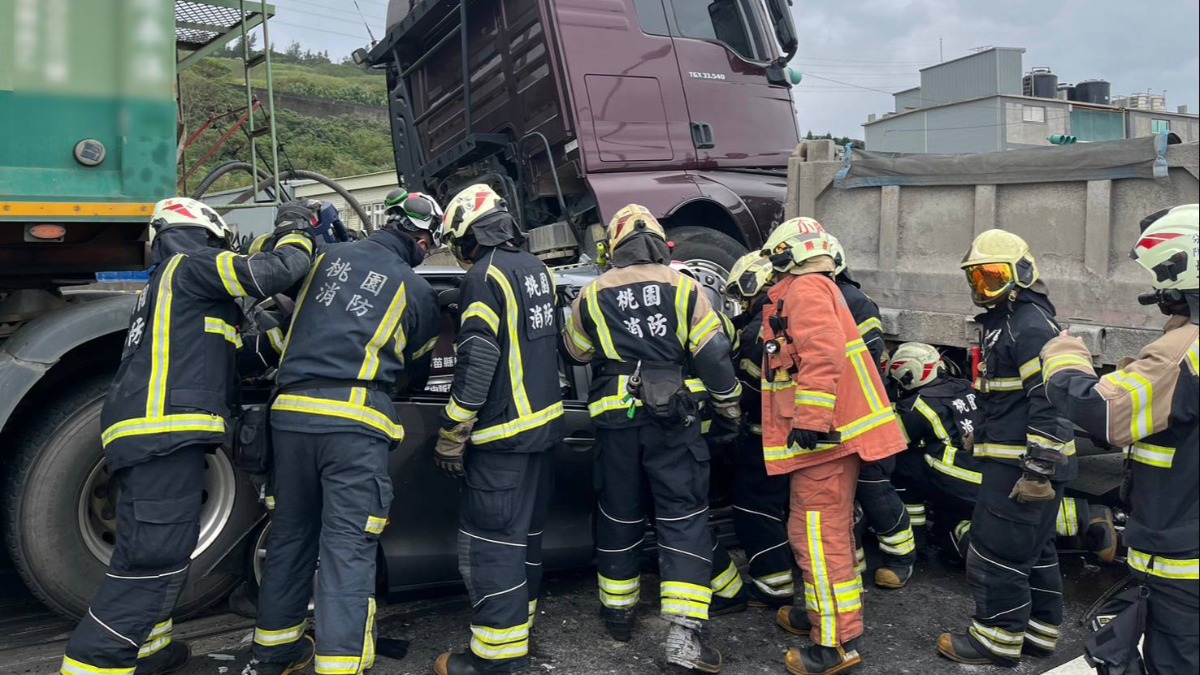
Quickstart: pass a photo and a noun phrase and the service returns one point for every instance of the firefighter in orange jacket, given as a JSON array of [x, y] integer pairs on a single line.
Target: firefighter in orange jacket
[[824, 413]]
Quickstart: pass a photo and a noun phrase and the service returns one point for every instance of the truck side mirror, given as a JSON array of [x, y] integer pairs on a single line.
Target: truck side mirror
[[785, 29]]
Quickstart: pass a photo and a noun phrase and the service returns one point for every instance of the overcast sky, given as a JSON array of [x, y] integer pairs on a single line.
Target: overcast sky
[[874, 47]]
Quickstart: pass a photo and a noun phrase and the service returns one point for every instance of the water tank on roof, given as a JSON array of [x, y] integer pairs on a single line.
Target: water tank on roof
[[1094, 91], [1040, 82], [1066, 92]]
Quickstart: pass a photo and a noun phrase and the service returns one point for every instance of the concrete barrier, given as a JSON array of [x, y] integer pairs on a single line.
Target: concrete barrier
[[904, 244]]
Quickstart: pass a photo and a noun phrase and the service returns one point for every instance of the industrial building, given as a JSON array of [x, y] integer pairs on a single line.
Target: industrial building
[[986, 101]]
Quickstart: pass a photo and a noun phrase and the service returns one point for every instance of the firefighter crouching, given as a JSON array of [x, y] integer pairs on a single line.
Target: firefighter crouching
[[640, 324], [1028, 455], [166, 409], [363, 319], [882, 508], [1151, 407], [760, 500], [824, 412], [506, 406]]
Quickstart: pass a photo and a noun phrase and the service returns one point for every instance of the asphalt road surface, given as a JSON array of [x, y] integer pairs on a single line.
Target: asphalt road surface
[[569, 638]]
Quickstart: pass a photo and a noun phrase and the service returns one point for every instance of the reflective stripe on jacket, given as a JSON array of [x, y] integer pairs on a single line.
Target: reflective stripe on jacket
[[866, 316], [821, 379], [935, 420]]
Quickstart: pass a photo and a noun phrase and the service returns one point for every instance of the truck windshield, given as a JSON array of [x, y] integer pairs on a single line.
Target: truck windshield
[[737, 24]]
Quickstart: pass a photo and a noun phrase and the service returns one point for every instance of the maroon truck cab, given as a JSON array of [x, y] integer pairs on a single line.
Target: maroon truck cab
[[574, 108]]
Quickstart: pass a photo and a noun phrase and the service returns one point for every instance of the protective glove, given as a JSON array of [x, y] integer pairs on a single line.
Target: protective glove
[[299, 216], [1031, 488], [329, 227], [803, 439], [451, 445], [727, 422]]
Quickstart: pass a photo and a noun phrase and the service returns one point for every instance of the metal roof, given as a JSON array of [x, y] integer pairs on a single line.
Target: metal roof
[[202, 26]]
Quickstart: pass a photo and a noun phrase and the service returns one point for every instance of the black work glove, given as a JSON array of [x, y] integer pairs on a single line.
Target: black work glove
[[727, 422], [299, 216], [803, 439]]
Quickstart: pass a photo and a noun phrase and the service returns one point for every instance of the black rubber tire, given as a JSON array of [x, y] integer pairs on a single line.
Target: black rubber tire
[[693, 242], [53, 458]]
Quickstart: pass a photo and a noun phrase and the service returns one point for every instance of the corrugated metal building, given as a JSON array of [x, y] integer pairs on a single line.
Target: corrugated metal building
[[975, 104]]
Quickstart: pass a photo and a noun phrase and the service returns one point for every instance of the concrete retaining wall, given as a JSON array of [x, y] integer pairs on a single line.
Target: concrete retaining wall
[[905, 244]]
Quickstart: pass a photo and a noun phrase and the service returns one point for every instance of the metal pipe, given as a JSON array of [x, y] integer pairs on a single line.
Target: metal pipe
[[435, 107], [562, 202], [249, 89], [466, 69], [270, 103], [430, 52]]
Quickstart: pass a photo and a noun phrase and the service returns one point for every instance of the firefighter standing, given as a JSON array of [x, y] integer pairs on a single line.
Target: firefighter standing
[[333, 425], [640, 324], [824, 412], [1151, 405], [165, 411], [1028, 453], [760, 500], [505, 402], [882, 507]]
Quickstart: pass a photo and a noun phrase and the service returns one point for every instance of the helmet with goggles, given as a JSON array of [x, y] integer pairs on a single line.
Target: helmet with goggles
[[751, 275], [997, 265], [794, 243]]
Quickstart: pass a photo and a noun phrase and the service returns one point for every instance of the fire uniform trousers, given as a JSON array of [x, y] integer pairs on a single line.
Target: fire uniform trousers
[[168, 405], [1012, 565], [650, 312], [821, 379], [363, 319], [760, 501], [1151, 408], [506, 381]]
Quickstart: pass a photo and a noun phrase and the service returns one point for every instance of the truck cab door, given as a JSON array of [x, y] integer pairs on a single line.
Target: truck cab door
[[725, 50]]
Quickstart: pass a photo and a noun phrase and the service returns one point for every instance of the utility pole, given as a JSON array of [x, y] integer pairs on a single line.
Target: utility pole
[[941, 55]]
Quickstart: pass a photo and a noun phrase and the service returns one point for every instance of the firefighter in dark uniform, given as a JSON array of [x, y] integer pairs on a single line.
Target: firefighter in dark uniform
[[1151, 407], [640, 324], [503, 419], [166, 410], [882, 508], [333, 424], [1028, 453], [760, 501]]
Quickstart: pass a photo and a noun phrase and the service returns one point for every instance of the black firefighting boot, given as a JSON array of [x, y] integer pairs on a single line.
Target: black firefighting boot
[[459, 663], [794, 620], [958, 648], [619, 623], [167, 660], [757, 599], [1101, 535], [818, 660], [685, 648], [296, 665], [720, 605]]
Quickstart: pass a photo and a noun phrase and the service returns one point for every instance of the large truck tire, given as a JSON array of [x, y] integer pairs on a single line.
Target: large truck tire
[[59, 509], [709, 253]]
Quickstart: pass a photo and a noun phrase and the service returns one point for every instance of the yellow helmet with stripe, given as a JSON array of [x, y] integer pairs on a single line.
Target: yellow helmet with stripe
[[630, 220], [751, 275], [997, 265], [796, 242]]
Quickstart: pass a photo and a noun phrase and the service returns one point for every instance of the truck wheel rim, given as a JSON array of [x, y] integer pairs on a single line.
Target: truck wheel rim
[[713, 276], [98, 506], [260, 561]]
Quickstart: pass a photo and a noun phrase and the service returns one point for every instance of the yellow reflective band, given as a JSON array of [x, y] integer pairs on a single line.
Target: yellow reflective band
[[581, 341], [1167, 568], [816, 399], [1067, 523], [532, 612], [161, 629], [619, 593], [228, 274], [705, 427], [619, 401], [849, 431], [519, 425], [516, 371], [160, 346], [592, 302], [1067, 448], [1141, 394], [218, 327], [848, 595], [153, 646], [903, 429], [857, 352], [998, 641], [1193, 356], [856, 346], [695, 385], [388, 326], [1030, 368], [776, 580], [166, 424], [368, 653], [1000, 384], [1060, 362], [930, 416], [270, 502], [458, 413], [826, 605], [375, 525], [750, 368], [685, 591], [727, 584], [682, 295], [999, 450], [1152, 455], [342, 409], [71, 666], [275, 336], [1040, 640], [479, 310], [283, 636], [707, 326], [962, 529], [1042, 628], [953, 471], [870, 325], [687, 608], [755, 429], [427, 347], [901, 543], [782, 385], [337, 665], [297, 240], [495, 644], [312, 273]]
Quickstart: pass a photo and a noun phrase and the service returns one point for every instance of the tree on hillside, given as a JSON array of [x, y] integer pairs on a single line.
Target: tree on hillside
[[837, 140]]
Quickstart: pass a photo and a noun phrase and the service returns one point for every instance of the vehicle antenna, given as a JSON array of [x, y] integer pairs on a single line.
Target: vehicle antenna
[[365, 24]]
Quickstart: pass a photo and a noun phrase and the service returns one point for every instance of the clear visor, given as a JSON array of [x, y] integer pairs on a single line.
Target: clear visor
[[990, 281]]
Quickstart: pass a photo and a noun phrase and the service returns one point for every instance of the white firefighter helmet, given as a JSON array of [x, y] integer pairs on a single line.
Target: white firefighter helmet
[[997, 264], [839, 255], [795, 242], [751, 275], [1167, 248], [469, 206], [914, 365], [183, 212]]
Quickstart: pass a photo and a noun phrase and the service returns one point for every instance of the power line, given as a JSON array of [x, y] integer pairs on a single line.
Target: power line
[[315, 29]]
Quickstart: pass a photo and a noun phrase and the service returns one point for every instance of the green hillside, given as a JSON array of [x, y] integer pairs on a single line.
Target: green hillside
[[338, 146]]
